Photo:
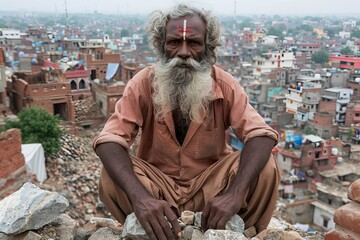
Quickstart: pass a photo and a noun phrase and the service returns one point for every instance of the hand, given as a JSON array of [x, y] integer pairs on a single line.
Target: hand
[[151, 214], [219, 210]]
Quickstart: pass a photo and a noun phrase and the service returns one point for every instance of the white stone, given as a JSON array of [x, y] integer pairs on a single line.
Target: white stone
[[30, 208]]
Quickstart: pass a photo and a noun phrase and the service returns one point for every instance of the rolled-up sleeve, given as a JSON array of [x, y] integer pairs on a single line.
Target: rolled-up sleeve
[[244, 119], [123, 125]]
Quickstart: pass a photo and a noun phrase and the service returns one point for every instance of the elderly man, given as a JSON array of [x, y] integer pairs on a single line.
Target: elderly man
[[183, 106]]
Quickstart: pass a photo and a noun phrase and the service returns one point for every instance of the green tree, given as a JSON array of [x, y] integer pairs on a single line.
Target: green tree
[[321, 56], [124, 33], [246, 23], [346, 51], [275, 32], [309, 130], [38, 126], [355, 33], [305, 27]]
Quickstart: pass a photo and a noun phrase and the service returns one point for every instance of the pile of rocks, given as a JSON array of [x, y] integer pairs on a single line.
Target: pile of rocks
[[74, 172], [41, 217], [86, 109]]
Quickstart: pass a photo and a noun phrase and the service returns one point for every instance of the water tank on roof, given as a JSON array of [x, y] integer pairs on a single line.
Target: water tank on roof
[[21, 54], [317, 75], [334, 151], [357, 80], [339, 160]]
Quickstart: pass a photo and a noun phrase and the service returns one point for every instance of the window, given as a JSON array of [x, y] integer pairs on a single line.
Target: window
[[82, 84], [325, 223], [73, 85]]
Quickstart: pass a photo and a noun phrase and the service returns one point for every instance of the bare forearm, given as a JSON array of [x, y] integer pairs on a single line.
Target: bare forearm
[[119, 166], [253, 159]]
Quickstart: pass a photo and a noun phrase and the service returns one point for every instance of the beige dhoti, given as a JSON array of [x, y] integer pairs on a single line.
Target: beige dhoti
[[256, 210]]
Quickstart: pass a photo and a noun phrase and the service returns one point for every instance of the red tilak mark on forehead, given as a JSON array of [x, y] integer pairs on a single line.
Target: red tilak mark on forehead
[[180, 29]]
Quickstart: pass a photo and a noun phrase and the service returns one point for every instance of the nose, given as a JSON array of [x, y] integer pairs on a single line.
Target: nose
[[184, 51]]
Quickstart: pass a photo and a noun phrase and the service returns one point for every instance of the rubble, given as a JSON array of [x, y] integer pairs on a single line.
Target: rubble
[[30, 208], [74, 173], [86, 109]]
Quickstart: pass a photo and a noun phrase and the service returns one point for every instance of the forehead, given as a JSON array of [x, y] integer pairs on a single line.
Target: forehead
[[194, 25]]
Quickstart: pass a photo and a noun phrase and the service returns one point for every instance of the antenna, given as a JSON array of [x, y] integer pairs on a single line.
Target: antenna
[[234, 23], [66, 13]]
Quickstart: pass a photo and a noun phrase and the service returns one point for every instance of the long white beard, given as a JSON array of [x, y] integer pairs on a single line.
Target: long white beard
[[184, 85]]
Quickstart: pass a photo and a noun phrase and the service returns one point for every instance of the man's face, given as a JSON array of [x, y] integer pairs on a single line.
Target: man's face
[[185, 38]]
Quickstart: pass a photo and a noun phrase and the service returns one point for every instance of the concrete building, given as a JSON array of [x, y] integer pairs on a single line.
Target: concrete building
[[354, 83], [352, 115], [323, 125], [346, 62], [269, 61], [342, 96], [10, 36], [303, 98]]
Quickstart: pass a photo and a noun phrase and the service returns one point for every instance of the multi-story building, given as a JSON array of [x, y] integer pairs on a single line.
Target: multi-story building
[[352, 116], [270, 61], [47, 89], [346, 62], [354, 83], [308, 48], [303, 97], [323, 125], [76, 75], [342, 96], [103, 65], [10, 36]]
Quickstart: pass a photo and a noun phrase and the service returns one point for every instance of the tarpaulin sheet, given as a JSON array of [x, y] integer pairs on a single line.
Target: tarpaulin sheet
[[111, 70], [35, 160]]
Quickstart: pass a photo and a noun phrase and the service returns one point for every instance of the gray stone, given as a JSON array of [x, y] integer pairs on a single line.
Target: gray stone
[[30, 208], [197, 220], [197, 235], [65, 227], [133, 229], [235, 224], [104, 233], [212, 234], [32, 236], [187, 233]]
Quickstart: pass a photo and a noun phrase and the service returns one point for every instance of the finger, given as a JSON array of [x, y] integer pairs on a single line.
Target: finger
[[204, 217], [171, 217], [222, 222], [213, 218], [158, 230], [149, 231]]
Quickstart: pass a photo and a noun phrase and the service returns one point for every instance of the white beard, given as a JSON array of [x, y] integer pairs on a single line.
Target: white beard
[[182, 85]]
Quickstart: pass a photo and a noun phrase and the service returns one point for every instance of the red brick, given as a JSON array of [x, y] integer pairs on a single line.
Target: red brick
[[348, 217], [11, 158], [341, 234], [354, 191]]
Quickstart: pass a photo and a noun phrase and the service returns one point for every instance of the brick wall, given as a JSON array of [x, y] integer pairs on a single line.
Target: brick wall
[[347, 217], [11, 158]]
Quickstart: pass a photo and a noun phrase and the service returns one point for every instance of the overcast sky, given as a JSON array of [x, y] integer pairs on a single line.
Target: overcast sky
[[243, 7]]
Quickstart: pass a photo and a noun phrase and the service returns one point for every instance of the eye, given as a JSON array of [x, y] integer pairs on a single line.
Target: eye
[[173, 42], [194, 42]]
